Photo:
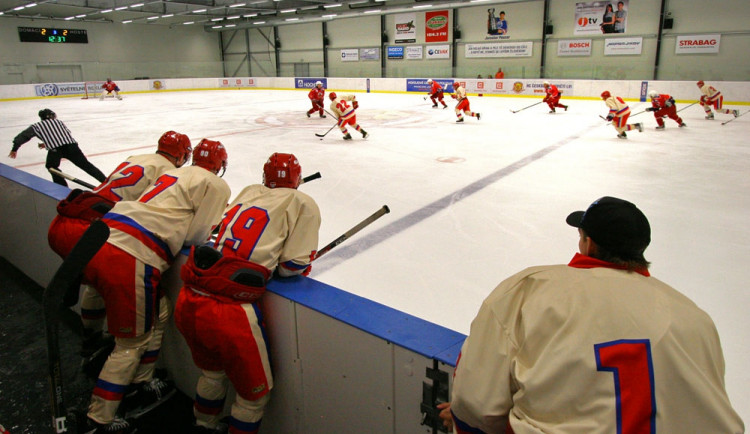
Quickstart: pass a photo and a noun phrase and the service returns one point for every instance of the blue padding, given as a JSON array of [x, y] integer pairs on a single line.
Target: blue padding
[[404, 330], [34, 182]]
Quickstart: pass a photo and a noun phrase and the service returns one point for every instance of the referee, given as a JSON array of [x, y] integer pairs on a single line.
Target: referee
[[59, 142]]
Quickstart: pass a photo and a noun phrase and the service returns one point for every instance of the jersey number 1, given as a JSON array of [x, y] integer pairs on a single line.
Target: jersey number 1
[[631, 365], [244, 231]]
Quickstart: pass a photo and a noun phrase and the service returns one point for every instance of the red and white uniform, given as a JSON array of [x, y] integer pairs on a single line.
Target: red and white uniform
[[620, 112], [316, 96], [665, 106], [553, 97], [263, 227], [133, 176], [343, 108], [108, 87], [589, 347], [712, 97], [436, 94], [180, 209], [459, 94]]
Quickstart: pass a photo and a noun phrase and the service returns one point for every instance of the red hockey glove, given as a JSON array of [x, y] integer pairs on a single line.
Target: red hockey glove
[[610, 117], [355, 104]]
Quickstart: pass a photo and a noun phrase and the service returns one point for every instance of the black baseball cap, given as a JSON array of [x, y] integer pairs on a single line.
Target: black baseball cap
[[615, 224]]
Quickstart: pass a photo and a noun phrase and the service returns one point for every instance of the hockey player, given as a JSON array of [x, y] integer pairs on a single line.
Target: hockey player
[[436, 93], [128, 181], [462, 104], [663, 105], [345, 113], [145, 236], [316, 95], [619, 112], [267, 227], [553, 97], [597, 342], [60, 144], [109, 87], [712, 97]]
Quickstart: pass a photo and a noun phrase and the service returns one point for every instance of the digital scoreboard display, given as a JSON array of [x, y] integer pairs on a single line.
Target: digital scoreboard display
[[56, 36]]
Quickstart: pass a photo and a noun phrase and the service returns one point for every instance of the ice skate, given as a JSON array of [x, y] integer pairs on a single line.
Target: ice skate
[[322, 115], [736, 113], [460, 120], [221, 428], [622, 136], [364, 134], [660, 127], [710, 116], [434, 106], [565, 108], [117, 426], [347, 136], [639, 125], [146, 396], [445, 106], [552, 111], [308, 114], [683, 124], [479, 116]]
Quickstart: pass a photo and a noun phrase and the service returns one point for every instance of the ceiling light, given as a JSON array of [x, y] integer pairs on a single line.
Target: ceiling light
[[106, 11], [167, 16], [69, 18], [233, 17], [216, 27], [237, 5], [421, 6], [121, 8], [189, 22], [250, 15], [372, 11], [18, 8], [31, 5], [335, 5], [478, 1], [230, 25], [286, 11], [199, 11], [80, 16], [259, 22], [292, 19], [127, 21], [152, 18], [137, 5], [217, 19], [330, 15]]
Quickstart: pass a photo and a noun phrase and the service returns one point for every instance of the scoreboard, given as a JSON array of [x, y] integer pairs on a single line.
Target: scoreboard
[[57, 36]]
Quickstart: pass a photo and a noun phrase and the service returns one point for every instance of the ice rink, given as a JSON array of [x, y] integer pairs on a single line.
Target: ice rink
[[471, 203]]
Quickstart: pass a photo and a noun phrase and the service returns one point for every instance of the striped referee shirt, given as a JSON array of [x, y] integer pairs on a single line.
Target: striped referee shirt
[[52, 132]]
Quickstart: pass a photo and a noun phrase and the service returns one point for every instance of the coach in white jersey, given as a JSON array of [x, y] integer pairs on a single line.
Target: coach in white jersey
[[596, 345], [267, 227], [58, 141], [146, 234]]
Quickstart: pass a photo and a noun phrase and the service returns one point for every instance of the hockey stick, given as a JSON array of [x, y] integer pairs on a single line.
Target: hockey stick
[[687, 106], [348, 234], [326, 133], [532, 105], [70, 177], [65, 277], [730, 120], [309, 178]]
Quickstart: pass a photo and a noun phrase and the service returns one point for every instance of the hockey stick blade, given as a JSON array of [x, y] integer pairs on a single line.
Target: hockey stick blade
[[70, 177], [730, 120], [72, 267], [532, 105], [348, 234], [309, 178]]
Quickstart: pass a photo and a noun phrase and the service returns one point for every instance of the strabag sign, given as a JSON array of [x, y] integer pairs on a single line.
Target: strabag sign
[[697, 44]]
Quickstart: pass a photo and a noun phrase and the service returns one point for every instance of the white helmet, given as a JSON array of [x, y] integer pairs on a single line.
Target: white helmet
[[318, 83], [429, 80], [546, 83], [653, 94]]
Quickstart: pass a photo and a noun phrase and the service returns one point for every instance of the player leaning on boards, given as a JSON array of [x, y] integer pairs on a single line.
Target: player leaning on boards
[[663, 105], [619, 112], [56, 137], [145, 236], [712, 97], [127, 182], [462, 103], [267, 228], [345, 113], [597, 345], [109, 87]]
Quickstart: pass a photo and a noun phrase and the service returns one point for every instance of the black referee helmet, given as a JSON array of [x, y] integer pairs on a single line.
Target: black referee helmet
[[46, 114]]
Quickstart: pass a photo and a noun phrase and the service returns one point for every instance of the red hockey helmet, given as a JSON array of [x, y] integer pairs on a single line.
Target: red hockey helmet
[[606, 94], [175, 145], [282, 170], [456, 84], [210, 155], [700, 83], [332, 95]]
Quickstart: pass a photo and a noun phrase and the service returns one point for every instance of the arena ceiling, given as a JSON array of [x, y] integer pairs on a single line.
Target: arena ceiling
[[216, 14]]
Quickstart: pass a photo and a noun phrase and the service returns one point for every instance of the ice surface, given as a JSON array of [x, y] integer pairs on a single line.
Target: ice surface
[[470, 203]]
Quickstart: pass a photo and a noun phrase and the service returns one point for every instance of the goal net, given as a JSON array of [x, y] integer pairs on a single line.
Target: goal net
[[92, 89]]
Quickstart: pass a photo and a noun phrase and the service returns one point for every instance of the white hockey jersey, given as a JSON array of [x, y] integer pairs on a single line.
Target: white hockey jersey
[[133, 176]]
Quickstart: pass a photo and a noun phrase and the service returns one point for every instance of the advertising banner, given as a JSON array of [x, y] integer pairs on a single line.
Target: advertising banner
[[623, 46], [436, 26], [497, 25], [237, 82], [574, 47], [52, 89], [395, 52], [406, 29], [309, 83], [499, 49], [414, 52], [438, 52], [350, 55], [599, 17], [697, 44], [421, 85], [369, 53]]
